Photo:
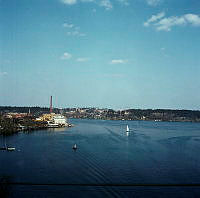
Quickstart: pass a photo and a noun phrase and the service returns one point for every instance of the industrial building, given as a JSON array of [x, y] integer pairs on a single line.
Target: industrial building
[[53, 120]]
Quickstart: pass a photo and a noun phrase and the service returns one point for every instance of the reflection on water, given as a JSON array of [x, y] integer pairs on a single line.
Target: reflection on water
[[153, 152]]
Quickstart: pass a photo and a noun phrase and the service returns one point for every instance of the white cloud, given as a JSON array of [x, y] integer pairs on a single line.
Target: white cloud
[[193, 19], [73, 30], [67, 25], [66, 56], [103, 3], [75, 33], [106, 4], [154, 18], [166, 24], [83, 59], [153, 2], [118, 61], [69, 2]]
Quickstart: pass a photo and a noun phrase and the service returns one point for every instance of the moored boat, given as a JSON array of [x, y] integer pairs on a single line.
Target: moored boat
[[10, 149]]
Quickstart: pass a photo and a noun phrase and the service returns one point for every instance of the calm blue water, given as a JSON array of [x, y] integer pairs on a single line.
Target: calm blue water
[[154, 152]]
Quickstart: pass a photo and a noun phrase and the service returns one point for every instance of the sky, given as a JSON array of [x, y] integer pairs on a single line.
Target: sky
[[116, 54]]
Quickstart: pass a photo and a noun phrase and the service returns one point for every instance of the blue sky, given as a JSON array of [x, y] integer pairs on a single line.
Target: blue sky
[[100, 53]]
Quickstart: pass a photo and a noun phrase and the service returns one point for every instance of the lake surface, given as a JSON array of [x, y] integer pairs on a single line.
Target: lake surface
[[153, 152]]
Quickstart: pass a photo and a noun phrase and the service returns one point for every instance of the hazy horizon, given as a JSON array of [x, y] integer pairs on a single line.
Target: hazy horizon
[[100, 108]]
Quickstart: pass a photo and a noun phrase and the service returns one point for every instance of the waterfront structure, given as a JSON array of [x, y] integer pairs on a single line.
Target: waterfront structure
[[52, 119], [60, 120], [45, 117]]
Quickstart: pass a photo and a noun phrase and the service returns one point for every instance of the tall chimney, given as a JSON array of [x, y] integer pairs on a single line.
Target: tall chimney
[[51, 104]]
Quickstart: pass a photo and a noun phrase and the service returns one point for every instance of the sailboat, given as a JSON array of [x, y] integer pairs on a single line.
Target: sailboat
[[74, 147], [127, 129]]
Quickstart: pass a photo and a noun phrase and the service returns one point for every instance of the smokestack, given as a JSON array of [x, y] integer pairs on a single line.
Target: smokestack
[[51, 104]]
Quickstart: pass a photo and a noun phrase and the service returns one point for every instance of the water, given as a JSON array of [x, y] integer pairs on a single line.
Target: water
[[153, 152]]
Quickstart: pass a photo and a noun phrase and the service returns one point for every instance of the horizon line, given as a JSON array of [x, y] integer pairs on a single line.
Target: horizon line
[[102, 108]]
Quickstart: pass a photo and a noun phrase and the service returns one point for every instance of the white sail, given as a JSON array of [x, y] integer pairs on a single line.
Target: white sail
[[127, 128], [74, 147]]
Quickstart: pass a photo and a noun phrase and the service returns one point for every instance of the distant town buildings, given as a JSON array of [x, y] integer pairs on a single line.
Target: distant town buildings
[[58, 117], [16, 115]]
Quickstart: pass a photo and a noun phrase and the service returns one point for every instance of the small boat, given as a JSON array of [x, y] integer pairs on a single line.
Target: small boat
[[74, 147], [7, 148], [52, 125], [10, 149], [127, 129]]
